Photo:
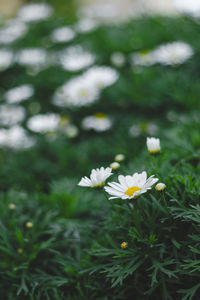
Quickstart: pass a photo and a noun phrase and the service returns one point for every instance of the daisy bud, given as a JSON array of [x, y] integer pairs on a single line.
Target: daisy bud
[[71, 131], [119, 157], [118, 59], [29, 224], [20, 251], [124, 245], [115, 165], [160, 187], [11, 206], [153, 145]]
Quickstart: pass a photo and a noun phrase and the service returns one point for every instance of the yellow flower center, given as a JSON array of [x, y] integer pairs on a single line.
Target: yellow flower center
[[143, 127], [132, 190], [100, 185], [175, 57], [64, 119], [144, 52], [100, 116], [83, 93]]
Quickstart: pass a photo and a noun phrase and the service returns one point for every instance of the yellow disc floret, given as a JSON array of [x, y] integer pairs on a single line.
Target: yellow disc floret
[[99, 185], [100, 116], [132, 190], [83, 93]]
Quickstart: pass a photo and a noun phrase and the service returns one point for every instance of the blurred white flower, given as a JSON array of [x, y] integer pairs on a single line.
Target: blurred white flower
[[118, 59], [173, 53], [108, 11], [6, 59], [130, 187], [62, 34], [143, 58], [11, 114], [86, 25], [19, 93], [34, 12], [97, 178], [12, 31], [16, 138], [101, 77], [74, 58], [160, 186], [76, 92], [135, 131], [153, 145], [32, 57], [143, 127], [191, 7], [119, 157], [115, 165], [44, 123], [99, 122]]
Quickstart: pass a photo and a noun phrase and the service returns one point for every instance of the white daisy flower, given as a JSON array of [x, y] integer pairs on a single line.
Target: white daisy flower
[[160, 186], [32, 57], [143, 58], [76, 92], [62, 34], [16, 138], [86, 25], [119, 157], [19, 93], [173, 53], [143, 127], [97, 178], [114, 165], [11, 114], [34, 12], [130, 187], [6, 59], [99, 122], [153, 145], [44, 123], [118, 59], [101, 77], [12, 31], [74, 58]]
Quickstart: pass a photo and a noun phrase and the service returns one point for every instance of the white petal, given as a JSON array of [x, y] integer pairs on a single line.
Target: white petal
[[85, 182], [113, 192], [129, 181], [122, 180], [116, 186]]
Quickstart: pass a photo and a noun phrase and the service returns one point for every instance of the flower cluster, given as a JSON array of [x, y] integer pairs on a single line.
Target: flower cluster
[[85, 89], [167, 54], [129, 186]]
